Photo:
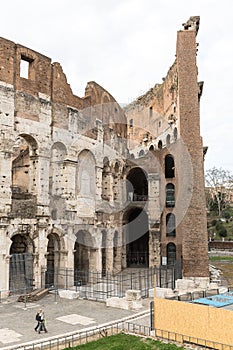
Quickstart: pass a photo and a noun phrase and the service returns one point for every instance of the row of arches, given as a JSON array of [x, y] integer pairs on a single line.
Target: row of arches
[[167, 141]]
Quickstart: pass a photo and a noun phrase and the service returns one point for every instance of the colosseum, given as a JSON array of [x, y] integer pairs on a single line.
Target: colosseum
[[90, 186]]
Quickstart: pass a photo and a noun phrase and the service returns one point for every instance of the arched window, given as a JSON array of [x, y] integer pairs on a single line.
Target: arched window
[[171, 254], [170, 195], [160, 144], [169, 166], [168, 139], [141, 153], [170, 225], [151, 148]]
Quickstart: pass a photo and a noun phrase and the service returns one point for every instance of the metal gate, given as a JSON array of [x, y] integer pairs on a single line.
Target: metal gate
[[21, 272]]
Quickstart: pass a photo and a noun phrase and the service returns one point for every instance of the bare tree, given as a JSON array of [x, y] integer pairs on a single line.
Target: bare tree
[[219, 186]]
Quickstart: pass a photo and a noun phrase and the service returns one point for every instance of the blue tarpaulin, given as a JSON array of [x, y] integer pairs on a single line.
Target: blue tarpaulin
[[218, 300]]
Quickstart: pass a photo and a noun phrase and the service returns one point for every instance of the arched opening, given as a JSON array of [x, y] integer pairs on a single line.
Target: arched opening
[[160, 145], [141, 153], [136, 233], [86, 174], [21, 264], [169, 166], [170, 225], [24, 176], [83, 249], [53, 260], [151, 148], [170, 195], [171, 254], [168, 139], [137, 185]]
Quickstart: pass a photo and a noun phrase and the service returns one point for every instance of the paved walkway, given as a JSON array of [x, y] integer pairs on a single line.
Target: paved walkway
[[17, 319]]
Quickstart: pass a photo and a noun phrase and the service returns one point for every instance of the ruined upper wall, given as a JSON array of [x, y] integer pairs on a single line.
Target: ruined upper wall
[[44, 77], [157, 108]]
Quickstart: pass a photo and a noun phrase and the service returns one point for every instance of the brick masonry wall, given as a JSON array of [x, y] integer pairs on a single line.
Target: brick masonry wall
[[193, 226]]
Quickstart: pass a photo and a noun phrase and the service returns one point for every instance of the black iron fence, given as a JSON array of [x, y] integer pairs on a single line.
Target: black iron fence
[[96, 286], [21, 272], [89, 284]]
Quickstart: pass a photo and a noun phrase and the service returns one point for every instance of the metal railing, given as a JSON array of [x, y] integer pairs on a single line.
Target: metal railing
[[96, 285], [93, 334], [99, 286]]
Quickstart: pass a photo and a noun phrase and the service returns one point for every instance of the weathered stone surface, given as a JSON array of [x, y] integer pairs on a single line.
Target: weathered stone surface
[[83, 182]]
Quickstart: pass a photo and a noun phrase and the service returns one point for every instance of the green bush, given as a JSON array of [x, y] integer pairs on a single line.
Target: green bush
[[222, 232], [226, 214], [219, 226], [214, 222]]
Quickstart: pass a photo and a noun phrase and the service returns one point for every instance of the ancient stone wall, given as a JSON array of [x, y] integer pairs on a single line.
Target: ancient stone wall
[[166, 121], [83, 184]]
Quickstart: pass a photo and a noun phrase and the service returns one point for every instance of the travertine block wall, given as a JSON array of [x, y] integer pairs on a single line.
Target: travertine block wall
[[68, 185]]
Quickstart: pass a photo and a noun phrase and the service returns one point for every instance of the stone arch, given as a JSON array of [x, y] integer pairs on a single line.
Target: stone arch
[[151, 148], [86, 174], [105, 98], [21, 263], [132, 156], [84, 257], [24, 165], [53, 256], [21, 243], [160, 144], [141, 153], [136, 237], [137, 185]]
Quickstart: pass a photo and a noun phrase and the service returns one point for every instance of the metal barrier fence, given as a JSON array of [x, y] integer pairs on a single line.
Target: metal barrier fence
[[96, 286], [82, 337]]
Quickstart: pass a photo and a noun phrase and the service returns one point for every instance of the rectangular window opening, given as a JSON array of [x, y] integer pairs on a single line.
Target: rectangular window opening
[[24, 67]]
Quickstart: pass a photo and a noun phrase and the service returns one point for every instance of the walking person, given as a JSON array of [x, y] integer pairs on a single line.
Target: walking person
[[38, 319], [42, 322]]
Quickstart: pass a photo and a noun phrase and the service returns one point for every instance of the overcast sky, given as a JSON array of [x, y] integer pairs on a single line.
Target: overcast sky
[[127, 46]]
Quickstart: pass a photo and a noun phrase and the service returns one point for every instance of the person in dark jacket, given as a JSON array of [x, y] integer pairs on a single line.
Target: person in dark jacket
[[38, 319], [41, 322]]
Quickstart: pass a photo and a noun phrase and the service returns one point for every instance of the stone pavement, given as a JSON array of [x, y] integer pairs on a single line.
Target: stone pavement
[[17, 319]]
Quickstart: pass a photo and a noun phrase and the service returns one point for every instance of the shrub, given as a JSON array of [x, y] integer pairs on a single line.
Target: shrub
[[214, 222], [219, 226], [226, 214], [222, 232]]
